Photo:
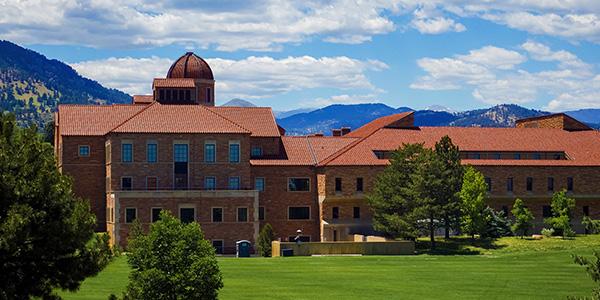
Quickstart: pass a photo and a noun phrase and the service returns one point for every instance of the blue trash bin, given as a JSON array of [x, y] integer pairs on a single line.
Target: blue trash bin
[[243, 248]]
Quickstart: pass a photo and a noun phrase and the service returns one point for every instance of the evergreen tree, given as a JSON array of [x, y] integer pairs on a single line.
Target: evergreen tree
[[452, 177], [562, 206], [496, 224], [392, 199], [47, 238], [265, 238], [523, 218], [172, 261], [472, 197]]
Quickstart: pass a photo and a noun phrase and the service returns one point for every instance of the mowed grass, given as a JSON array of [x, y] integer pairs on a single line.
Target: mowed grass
[[508, 268]]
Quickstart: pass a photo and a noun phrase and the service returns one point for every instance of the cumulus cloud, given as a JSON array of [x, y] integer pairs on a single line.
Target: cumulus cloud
[[493, 76], [226, 25], [250, 78]]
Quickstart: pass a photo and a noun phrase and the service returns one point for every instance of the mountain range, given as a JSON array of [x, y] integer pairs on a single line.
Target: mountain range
[[31, 86]]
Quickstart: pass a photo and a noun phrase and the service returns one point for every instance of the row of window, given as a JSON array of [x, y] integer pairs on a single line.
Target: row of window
[[358, 184], [188, 214], [529, 184], [210, 183], [335, 212], [180, 152]]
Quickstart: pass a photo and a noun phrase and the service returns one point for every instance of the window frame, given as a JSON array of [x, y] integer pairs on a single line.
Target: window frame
[[550, 184], [214, 153], [237, 214], [152, 214], [361, 185], [212, 214], [335, 212], [148, 144], [256, 180], [187, 207], [222, 245], [570, 184], [529, 184], [258, 154], [135, 215], [300, 206], [239, 183], [147, 187], [123, 144], [79, 147], [510, 184], [214, 187], [130, 180], [356, 215], [264, 213], [299, 191], [338, 184], [238, 154]]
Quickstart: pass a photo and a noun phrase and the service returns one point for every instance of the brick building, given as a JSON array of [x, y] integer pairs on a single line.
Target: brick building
[[233, 169]]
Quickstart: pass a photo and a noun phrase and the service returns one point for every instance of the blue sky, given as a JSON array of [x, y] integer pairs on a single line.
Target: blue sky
[[456, 53]]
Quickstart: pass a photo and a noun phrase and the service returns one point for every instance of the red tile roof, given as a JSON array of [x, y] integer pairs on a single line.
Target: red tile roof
[[143, 99], [581, 147], [93, 120], [259, 120], [374, 125], [190, 65], [161, 118], [305, 150], [173, 83]]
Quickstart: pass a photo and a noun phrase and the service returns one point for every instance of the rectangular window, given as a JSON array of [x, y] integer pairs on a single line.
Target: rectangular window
[[218, 244], [161, 94], [151, 183], [130, 214], [188, 95], [476, 155], [210, 152], [509, 184], [546, 211], [359, 184], [151, 152], [298, 184], [497, 156], [126, 152], [126, 183], [517, 156], [234, 183], [261, 213], [299, 213], [210, 183], [537, 156], [217, 214], [586, 210], [550, 184], [529, 184], [242, 214], [335, 212], [84, 151], [256, 151], [187, 214], [180, 153], [570, 184], [259, 184], [488, 183], [356, 212], [234, 152], [338, 184], [208, 95], [156, 214]]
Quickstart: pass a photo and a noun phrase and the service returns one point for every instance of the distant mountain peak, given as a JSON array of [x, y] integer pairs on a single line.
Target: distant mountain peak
[[440, 108], [239, 103]]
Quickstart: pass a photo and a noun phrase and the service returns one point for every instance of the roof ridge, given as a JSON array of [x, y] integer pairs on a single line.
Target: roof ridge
[[312, 151], [132, 116], [226, 119]]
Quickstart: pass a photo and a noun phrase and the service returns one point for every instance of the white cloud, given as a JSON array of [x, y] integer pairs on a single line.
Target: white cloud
[[342, 99], [249, 78], [229, 25], [492, 76]]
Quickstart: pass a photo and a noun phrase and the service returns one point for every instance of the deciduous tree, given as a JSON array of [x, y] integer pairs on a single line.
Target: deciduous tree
[[172, 261], [561, 213], [472, 197], [47, 238], [523, 218]]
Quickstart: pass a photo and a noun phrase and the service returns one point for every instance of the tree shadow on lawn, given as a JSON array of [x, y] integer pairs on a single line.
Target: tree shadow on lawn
[[457, 246]]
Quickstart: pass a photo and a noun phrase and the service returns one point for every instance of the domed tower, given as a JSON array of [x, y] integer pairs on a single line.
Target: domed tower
[[189, 81]]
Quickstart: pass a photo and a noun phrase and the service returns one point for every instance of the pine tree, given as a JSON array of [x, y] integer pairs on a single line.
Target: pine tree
[[265, 238], [452, 177], [523, 218], [47, 238]]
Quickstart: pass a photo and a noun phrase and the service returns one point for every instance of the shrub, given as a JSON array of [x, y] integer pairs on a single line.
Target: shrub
[[591, 226], [264, 240], [548, 232], [592, 267]]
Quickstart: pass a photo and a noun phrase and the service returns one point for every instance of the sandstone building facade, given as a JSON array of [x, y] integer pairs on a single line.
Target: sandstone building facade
[[233, 169]]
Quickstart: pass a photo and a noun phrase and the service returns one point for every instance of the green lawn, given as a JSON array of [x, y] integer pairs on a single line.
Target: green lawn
[[509, 268]]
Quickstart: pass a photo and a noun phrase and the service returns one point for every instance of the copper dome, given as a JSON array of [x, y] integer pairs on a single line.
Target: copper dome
[[190, 65]]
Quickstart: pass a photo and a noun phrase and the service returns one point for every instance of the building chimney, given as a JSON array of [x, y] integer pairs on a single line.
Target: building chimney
[[345, 130], [336, 132]]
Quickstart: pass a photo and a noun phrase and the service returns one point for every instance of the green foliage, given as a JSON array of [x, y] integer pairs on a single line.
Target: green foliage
[[265, 238], [452, 180], [496, 224], [472, 196], [523, 218], [47, 238], [591, 226], [172, 261], [592, 267], [547, 232], [561, 214]]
